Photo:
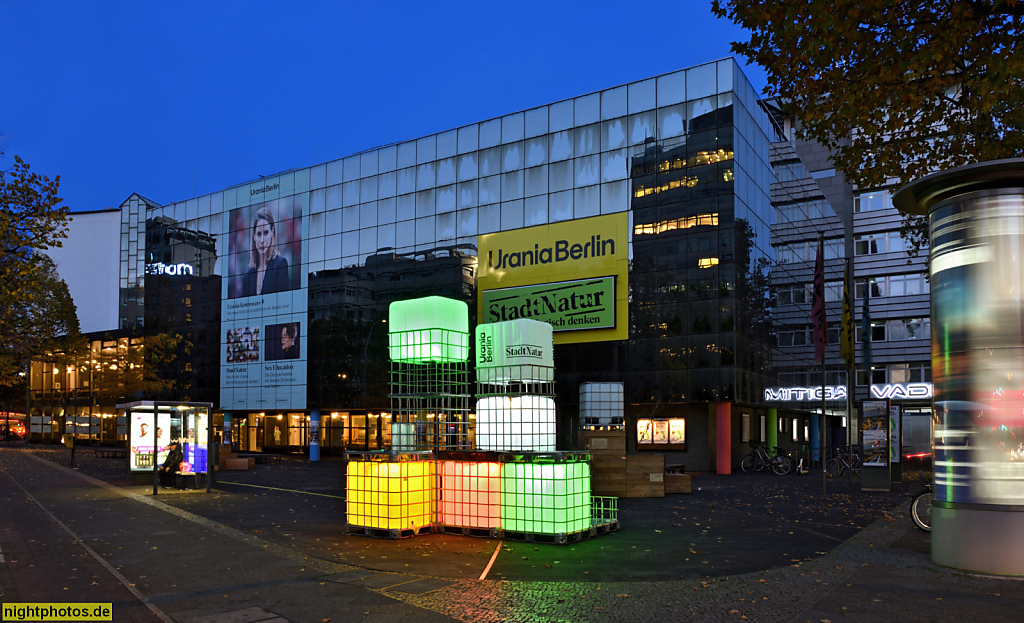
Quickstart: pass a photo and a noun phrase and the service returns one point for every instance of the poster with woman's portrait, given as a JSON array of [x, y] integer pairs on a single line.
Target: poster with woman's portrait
[[265, 247], [282, 341]]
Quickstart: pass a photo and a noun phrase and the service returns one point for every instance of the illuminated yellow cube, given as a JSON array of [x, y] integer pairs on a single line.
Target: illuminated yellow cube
[[386, 495]]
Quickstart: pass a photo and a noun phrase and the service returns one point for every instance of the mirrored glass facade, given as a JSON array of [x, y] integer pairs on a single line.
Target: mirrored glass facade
[[295, 271]]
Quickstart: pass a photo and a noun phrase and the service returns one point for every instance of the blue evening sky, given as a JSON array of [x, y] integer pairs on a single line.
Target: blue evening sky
[[176, 99]]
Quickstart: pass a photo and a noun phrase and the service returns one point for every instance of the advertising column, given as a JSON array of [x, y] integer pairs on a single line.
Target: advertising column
[[263, 315]]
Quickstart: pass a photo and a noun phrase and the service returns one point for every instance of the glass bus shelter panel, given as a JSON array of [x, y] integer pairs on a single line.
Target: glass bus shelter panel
[[153, 427]]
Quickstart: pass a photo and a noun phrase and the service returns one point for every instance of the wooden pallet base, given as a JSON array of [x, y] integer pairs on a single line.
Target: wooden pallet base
[[387, 533], [486, 533], [561, 538]]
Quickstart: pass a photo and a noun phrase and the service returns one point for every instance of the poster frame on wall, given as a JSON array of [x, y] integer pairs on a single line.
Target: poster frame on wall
[[875, 432]]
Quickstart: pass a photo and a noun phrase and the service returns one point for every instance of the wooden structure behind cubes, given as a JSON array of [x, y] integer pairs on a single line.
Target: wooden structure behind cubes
[[428, 344], [623, 475]]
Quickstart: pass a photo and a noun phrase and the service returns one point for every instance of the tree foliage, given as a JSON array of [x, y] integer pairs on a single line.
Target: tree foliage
[[37, 315], [32, 218], [129, 368], [40, 322], [895, 88]]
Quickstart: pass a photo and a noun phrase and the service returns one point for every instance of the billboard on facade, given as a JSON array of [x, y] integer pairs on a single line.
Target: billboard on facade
[[265, 247], [264, 354], [586, 259]]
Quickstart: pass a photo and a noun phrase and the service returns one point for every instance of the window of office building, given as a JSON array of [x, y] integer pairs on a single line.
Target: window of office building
[[872, 201], [882, 242]]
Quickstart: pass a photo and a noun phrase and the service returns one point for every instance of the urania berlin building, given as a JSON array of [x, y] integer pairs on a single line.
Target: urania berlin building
[[635, 220]]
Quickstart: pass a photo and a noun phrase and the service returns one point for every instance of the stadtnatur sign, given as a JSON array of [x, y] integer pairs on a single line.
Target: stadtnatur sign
[[573, 275], [566, 305]]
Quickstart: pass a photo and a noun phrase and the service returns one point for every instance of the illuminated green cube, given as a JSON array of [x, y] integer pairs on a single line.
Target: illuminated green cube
[[432, 329], [545, 498]]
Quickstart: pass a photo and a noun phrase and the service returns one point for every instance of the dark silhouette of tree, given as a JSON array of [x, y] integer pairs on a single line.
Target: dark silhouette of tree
[[895, 90]]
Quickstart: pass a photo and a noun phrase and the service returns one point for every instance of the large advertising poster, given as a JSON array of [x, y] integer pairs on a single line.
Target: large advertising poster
[[264, 351], [144, 434], [572, 275], [874, 430]]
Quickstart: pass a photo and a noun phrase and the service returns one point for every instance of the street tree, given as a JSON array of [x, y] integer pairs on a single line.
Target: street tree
[[32, 218], [41, 323], [37, 314], [127, 369], [895, 88]]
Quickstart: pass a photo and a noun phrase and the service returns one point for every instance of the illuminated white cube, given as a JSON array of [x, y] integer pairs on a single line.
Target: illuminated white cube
[[515, 424], [601, 404], [514, 351]]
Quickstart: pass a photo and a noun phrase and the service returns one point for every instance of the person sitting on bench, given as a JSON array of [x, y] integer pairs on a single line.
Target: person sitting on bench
[[171, 464]]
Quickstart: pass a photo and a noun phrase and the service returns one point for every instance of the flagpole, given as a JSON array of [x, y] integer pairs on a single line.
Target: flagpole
[[850, 361], [819, 287]]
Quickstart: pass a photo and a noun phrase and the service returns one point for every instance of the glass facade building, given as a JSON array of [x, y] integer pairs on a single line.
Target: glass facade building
[[281, 286]]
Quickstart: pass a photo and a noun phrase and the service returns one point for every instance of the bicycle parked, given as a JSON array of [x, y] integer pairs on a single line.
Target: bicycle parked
[[841, 461], [921, 509], [760, 459]]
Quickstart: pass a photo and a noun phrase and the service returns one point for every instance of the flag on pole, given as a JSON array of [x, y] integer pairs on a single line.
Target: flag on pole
[[846, 330], [818, 319]]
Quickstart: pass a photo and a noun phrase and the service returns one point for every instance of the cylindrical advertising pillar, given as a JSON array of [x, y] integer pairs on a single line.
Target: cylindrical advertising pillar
[[976, 231]]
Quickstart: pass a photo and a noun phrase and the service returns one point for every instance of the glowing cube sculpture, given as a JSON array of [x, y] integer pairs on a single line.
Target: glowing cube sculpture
[[470, 494], [429, 329], [514, 351], [515, 424], [545, 498], [601, 404], [391, 495]]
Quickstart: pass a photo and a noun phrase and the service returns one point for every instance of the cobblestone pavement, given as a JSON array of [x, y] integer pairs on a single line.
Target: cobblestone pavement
[[839, 557]]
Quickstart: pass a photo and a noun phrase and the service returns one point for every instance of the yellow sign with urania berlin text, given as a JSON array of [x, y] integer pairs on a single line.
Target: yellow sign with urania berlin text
[[576, 250]]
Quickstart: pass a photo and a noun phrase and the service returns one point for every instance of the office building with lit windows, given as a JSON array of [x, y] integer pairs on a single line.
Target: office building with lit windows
[[654, 198], [861, 232]]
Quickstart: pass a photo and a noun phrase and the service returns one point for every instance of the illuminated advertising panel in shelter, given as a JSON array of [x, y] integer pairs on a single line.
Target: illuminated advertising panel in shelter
[[263, 314], [146, 433], [571, 274]]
